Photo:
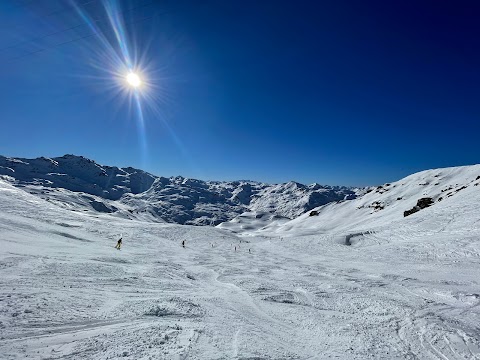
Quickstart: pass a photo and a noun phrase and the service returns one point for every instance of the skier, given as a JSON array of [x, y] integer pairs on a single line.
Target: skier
[[119, 244], [183, 243]]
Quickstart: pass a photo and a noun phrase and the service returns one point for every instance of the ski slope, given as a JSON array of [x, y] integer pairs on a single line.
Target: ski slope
[[406, 287]]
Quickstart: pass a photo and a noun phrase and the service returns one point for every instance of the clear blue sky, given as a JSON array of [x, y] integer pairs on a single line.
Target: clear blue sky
[[335, 92]]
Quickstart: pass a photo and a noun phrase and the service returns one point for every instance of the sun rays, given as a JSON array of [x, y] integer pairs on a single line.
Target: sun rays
[[124, 71]]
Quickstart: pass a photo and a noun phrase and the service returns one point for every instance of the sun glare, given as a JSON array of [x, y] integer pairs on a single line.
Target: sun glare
[[134, 80]]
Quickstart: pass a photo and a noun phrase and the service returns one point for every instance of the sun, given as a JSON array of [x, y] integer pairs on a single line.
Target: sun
[[134, 80]]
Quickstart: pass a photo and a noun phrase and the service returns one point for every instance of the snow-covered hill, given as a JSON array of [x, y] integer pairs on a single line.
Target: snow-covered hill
[[80, 184], [406, 288], [421, 194]]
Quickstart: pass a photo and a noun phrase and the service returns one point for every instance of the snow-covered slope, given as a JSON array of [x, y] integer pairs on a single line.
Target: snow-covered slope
[[253, 221], [77, 173], [388, 203], [293, 199], [408, 288], [77, 183]]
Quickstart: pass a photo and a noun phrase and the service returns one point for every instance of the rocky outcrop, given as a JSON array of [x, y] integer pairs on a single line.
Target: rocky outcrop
[[421, 204]]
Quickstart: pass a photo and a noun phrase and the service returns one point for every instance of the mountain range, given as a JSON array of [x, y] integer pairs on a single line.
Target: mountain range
[[80, 184], [392, 273]]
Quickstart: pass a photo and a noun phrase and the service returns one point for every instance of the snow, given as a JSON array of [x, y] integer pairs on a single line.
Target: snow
[[406, 287], [293, 199], [135, 194], [385, 205]]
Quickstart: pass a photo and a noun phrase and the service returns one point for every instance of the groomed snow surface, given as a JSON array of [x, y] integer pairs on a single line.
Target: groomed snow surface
[[406, 287]]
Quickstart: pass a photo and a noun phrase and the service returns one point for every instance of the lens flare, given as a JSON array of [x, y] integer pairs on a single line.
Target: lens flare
[[128, 76]]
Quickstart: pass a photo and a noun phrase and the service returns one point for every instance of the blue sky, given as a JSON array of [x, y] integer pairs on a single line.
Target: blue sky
[[335, 92]]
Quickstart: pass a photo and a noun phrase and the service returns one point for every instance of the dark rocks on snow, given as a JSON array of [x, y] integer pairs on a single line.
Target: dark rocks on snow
[[421, 204], [424, 202], [410, 212], [377, 205]]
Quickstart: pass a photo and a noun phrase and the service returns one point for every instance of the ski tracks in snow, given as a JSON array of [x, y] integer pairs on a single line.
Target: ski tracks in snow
[[251, 318], [396, 293]]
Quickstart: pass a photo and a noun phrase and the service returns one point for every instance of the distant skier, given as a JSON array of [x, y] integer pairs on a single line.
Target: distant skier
[[119, 244], [183, 243]]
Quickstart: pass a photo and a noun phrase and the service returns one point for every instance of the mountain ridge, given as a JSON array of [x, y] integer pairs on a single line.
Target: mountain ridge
[[81, 184], [397, 202]]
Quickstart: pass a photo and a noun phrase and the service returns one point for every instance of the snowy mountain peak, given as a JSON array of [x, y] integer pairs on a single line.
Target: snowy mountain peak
[[385, 204], [400, 287], [78, 174], [81, 184]]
